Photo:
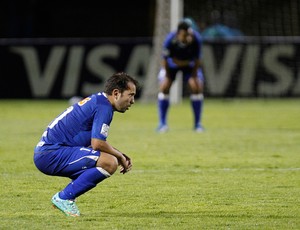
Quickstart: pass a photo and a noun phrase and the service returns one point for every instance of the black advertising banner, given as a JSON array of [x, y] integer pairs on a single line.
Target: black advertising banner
[[59, 68], [265, 67], [62, 68]]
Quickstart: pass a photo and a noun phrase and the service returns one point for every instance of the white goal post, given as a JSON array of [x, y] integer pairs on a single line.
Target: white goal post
[[176, 14], [168, 13]]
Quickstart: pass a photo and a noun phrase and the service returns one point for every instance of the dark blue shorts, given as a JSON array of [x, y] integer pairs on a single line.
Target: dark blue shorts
[[66, 161]]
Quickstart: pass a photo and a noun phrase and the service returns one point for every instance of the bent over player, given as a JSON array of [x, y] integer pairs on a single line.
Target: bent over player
[[181, 52], [74, 144]]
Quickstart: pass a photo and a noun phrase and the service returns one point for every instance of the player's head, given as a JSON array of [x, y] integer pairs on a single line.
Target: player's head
[[119, 81], [184, 32], [183, 25], [122, 89]]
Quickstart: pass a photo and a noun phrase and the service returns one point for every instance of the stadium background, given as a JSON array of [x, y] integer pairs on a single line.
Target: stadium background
[[51, 49]]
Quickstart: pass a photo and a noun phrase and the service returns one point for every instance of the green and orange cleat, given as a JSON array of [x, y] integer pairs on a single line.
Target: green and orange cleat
[[68, 207]]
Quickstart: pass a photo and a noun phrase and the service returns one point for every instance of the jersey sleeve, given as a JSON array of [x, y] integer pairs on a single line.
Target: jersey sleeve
[[166, 49], [101, 124]]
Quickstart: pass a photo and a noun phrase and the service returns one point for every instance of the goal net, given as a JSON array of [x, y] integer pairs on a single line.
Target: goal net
[[262, 62]]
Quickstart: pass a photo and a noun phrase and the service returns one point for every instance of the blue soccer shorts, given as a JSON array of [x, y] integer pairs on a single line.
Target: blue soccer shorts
[[66, 161]]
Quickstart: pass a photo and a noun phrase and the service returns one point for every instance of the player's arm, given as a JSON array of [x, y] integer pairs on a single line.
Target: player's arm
[[181, 63], [197, 57], [164, 64], [128, 160], [197, 65], [104, 146], [171, 61]]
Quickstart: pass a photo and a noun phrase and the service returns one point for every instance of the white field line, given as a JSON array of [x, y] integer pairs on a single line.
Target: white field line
[[218, 170]]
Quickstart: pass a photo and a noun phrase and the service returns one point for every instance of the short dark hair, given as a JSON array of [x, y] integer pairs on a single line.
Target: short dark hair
[[119, 81], [183, 25]]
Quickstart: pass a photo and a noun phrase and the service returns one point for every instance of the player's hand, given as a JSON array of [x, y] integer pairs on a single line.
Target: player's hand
[[181, 63], [126, 165], [128, 160]]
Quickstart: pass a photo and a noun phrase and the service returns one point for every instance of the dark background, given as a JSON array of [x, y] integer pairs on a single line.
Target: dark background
[[136, 18], [63, 18], [252, 17]]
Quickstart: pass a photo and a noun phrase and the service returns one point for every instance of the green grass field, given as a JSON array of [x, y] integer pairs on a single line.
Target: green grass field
[[242, 173]]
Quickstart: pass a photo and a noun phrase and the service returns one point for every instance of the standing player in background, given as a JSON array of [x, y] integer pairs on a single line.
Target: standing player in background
[[74, 144], [181, 52]]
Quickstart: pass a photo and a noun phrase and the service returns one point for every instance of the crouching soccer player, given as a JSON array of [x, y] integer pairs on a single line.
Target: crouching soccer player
[[74, 144]]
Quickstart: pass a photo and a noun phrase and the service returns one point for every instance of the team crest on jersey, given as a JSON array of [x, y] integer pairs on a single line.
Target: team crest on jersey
[[104, 130]]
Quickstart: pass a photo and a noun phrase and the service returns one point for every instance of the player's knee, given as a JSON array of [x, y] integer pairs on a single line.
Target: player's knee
[[164, 88], [196, 88], [163, 96], [108, 162]]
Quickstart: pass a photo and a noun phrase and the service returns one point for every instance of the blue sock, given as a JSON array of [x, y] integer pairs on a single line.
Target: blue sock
[[163, 105], [197, 103], [85, 182]]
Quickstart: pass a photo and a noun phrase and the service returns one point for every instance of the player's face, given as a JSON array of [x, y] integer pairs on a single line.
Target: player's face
[[184, 36], [124, 100]]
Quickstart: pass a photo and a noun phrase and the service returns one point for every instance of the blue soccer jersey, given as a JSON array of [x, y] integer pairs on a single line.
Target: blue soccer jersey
[[89, 118], [172, 48]]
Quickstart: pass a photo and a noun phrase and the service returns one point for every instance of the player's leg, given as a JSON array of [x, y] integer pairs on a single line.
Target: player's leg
[[87, 171], [196, 86], [86, 178], [163, 100], [80, 164]]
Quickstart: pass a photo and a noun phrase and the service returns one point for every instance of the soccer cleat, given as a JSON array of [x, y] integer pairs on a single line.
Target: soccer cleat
[[199, 129], [68, 207], [162, 129]]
